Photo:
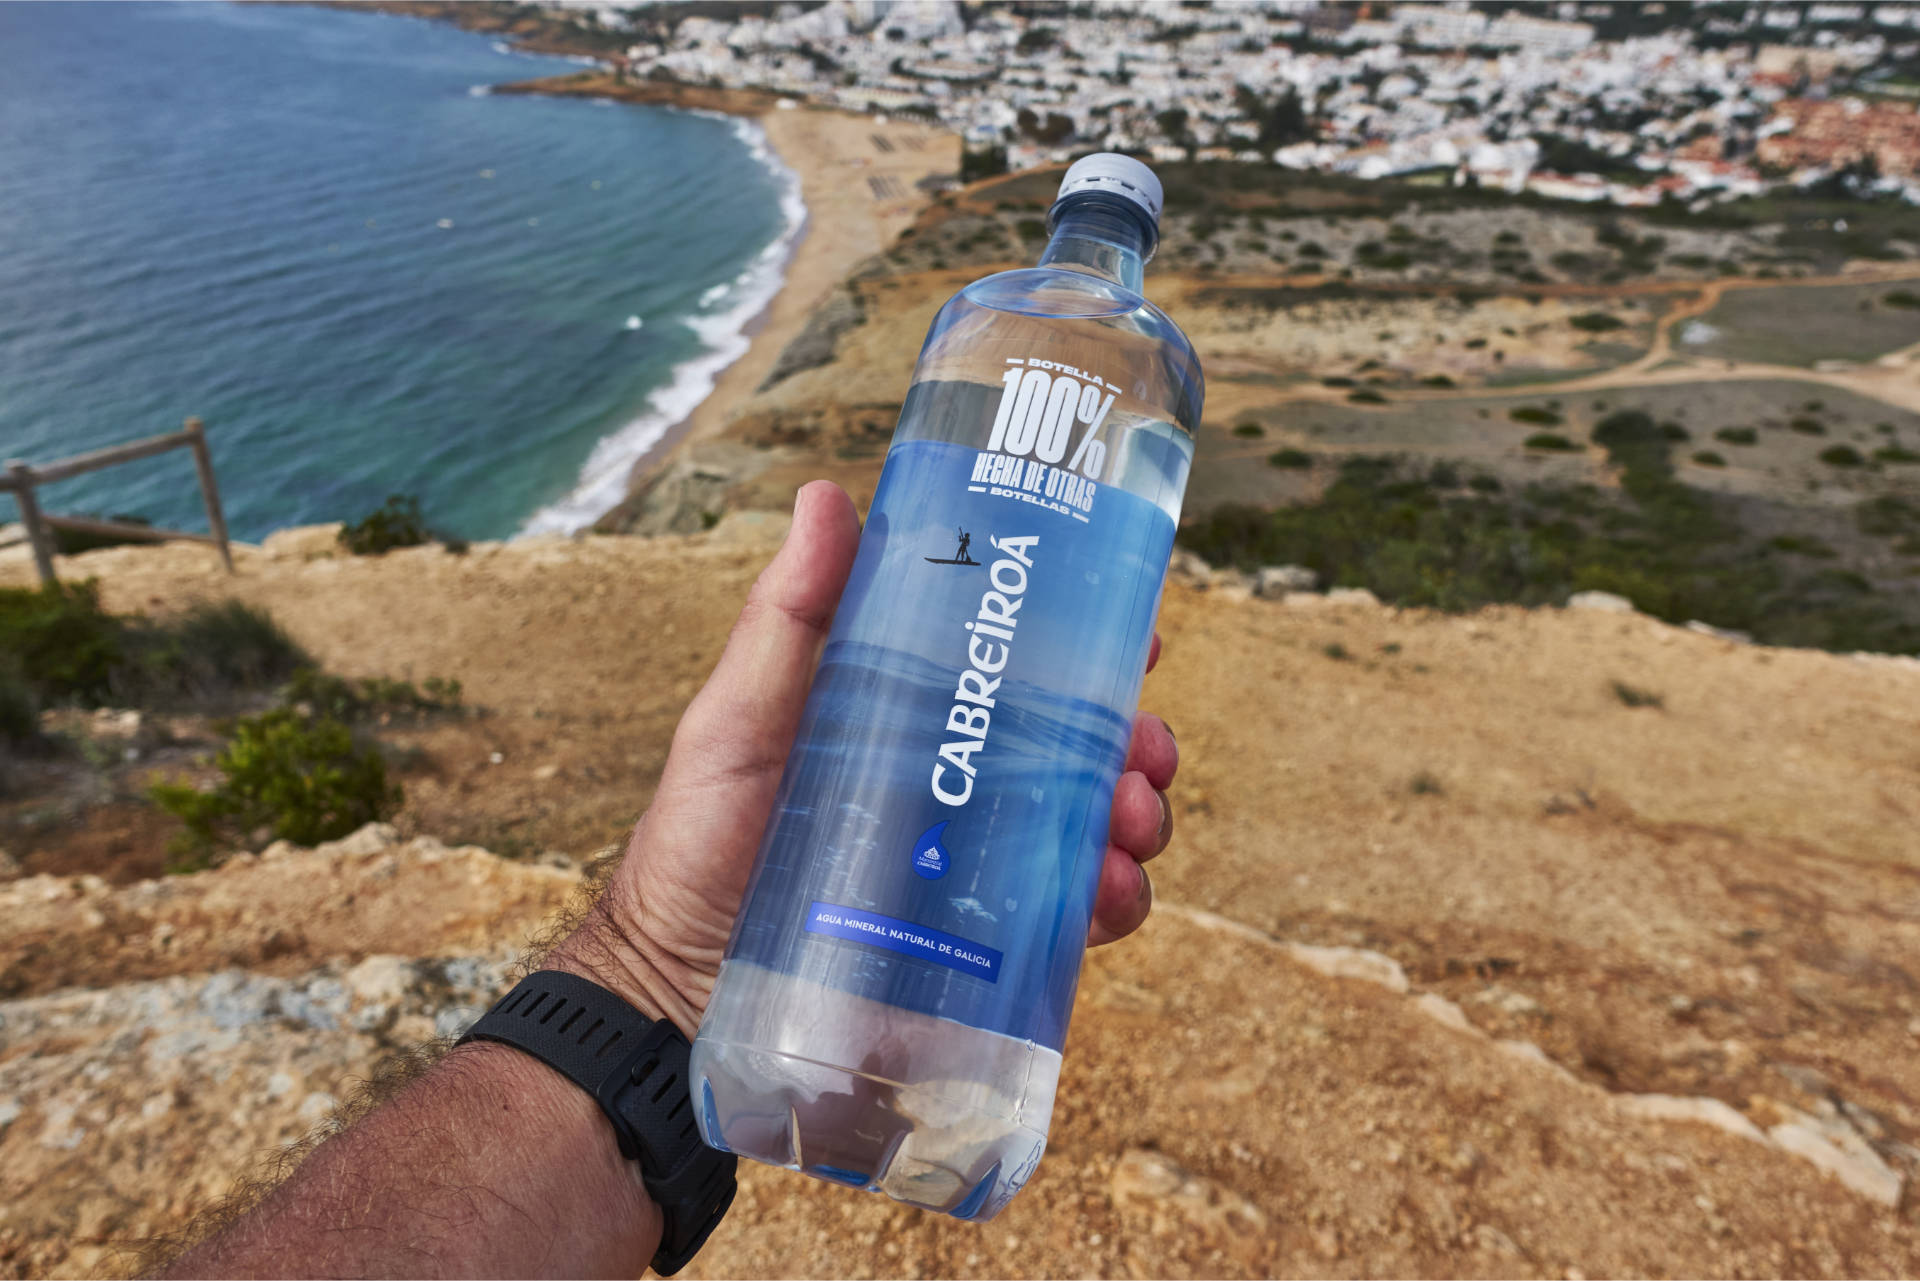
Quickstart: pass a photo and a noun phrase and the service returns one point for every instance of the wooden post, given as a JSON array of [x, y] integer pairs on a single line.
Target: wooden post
[[37, 536], [209, 489]]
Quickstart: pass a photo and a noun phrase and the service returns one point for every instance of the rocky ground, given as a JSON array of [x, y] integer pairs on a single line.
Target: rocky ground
[[1461, 964]]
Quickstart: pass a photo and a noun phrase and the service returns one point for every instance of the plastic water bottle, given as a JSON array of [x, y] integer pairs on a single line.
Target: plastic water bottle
[[892, 1005]]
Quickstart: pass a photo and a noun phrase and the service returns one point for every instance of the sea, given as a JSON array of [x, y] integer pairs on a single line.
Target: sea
[[319, 232]]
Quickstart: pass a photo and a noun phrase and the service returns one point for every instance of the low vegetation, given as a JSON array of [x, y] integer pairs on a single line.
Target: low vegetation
[[395, 523], [284, 776], [1414, 538], [58, 647]]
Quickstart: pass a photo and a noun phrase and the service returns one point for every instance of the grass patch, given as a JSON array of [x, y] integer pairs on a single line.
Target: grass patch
[[1290, 459], [1708, 458], [1596, 322], [1366, 396], [1808, 426], [1895, 454], [1249, 431], [1905, 299], [1425, 784], [1554, 442], [1842, 456], [1535, 416], [1336, 651], [1738, 435]]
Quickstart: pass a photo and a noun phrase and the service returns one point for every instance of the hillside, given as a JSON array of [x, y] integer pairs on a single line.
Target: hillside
[[1461, 964]]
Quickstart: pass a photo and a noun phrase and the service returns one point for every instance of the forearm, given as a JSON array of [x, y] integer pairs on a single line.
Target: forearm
[[490, 1164]]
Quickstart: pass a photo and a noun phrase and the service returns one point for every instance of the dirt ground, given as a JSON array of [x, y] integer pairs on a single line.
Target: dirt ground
[[1442, 916]]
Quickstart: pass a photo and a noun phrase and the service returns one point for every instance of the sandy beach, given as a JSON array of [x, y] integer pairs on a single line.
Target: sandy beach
[[860, 178]]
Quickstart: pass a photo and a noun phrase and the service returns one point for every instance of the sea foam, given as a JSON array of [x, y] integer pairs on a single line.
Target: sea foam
[[721, 325]]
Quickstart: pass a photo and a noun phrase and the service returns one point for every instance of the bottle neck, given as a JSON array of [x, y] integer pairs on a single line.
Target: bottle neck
[[1101, 236]]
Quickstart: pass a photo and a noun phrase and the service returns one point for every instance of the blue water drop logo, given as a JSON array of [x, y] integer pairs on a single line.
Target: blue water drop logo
[[930, 857]]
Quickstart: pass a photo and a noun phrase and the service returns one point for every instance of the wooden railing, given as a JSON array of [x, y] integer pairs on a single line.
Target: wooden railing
[[22, 478]]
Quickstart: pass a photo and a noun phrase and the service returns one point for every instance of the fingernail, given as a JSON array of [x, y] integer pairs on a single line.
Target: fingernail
[[1170, 734], [1166, 819], [1146, 886]]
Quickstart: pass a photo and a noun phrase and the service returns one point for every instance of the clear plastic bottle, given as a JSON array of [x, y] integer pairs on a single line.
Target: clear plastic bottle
[[893, 1002]]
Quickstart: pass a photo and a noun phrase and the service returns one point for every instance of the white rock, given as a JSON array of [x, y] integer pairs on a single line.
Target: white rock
[[1442, 1011], [369, 840], [1275, 581], [1673, 1107], [1186, 567], [1351, 963], [1843, 1154], [1351, 596], [1720, 633], [1605, 601], [9, 865]]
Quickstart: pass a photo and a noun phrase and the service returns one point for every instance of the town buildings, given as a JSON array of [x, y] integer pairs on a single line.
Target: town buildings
[[1566, 100]]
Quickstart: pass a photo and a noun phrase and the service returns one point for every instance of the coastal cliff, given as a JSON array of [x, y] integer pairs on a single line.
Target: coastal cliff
[[1460, 962]]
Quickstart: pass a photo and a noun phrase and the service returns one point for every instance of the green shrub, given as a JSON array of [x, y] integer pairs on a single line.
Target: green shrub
[[1901, 298], [1802, 545], [1534, 415], [65, 647], [1366, 396], [19, 709], [1250, 431], [1888, 516], [1336, 651], [1484, 484], [301, 779], [1436, 380], [1675, 432], [1633, 696], [396, 523], [1707, 458], [1425, 784], [1337, 380], [1738, 435], [1842, 456], [318, 693], [1596, 322], [1895, 454], [1808, 426], [1291, 459], [1553, 441]]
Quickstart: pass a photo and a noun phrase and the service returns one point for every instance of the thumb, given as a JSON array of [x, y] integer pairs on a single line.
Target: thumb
[[733, 741]]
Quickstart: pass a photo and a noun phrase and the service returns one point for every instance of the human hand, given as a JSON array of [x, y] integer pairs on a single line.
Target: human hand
[[658, 932]]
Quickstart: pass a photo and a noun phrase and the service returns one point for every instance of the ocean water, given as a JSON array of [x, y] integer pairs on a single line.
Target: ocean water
[[317, 231]]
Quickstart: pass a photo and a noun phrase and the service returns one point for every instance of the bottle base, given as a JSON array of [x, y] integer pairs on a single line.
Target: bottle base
[[937, 1115]]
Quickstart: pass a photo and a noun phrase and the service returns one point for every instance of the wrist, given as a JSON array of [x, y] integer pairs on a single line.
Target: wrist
[[621, 960]]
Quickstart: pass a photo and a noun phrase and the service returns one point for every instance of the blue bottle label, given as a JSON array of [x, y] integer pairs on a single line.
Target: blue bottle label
[[938, 836]]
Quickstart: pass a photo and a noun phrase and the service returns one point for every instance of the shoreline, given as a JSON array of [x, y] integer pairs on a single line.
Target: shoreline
[[856, 195]]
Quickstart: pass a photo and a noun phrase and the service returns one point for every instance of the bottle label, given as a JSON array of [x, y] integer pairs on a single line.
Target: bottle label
[[943, 819]]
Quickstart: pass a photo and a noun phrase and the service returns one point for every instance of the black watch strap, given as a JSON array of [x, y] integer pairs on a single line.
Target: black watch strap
[[637, 1070]]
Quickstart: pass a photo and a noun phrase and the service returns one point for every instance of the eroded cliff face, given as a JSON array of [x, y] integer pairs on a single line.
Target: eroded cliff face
[[1460, 964]]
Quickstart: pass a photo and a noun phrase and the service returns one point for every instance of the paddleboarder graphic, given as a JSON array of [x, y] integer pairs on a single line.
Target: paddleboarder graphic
[[960, 557]]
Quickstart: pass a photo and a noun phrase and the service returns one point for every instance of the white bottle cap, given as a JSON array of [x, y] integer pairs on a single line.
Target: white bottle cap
[[1112, 172]]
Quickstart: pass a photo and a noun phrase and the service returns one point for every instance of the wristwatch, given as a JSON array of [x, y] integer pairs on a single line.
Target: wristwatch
[[636, 1069]]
